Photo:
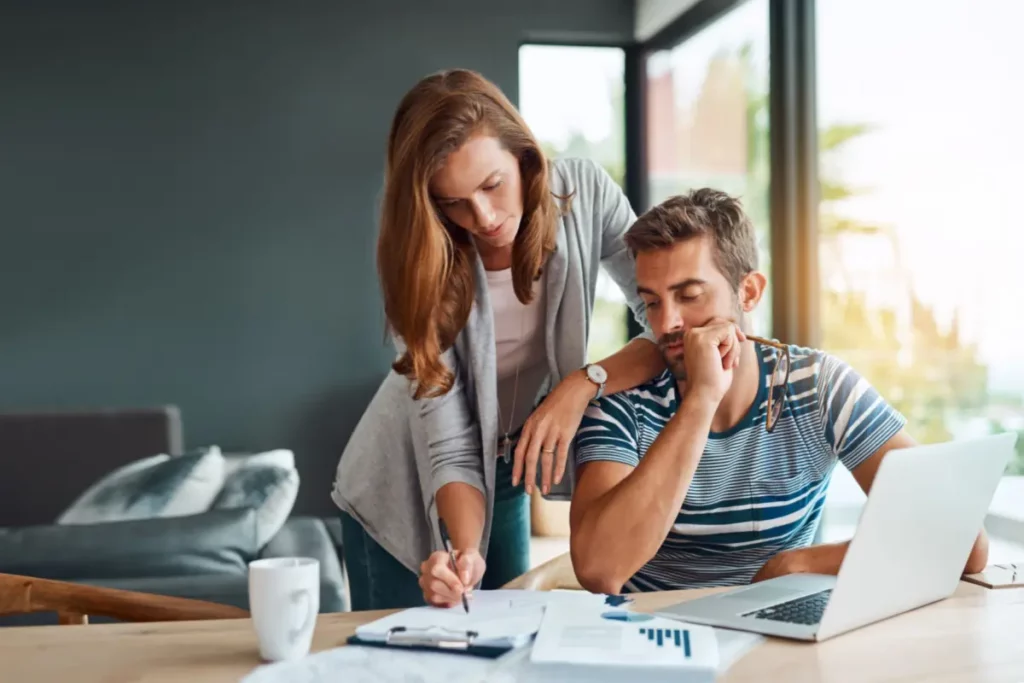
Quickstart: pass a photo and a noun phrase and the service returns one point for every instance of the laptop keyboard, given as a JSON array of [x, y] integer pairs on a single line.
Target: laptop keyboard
[[805, 610]]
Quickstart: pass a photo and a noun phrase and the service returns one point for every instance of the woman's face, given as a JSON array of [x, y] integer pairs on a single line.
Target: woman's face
[[479, 188]]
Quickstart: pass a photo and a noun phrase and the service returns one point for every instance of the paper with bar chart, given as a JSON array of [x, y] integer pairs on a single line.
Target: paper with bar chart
[[593, 644]]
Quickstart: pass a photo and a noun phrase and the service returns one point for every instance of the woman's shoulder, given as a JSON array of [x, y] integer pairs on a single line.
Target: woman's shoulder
[[576, 174], [588, 189]]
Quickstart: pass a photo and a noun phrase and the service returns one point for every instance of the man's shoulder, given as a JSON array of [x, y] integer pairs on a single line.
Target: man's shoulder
[[817, 363], [830, 383], [809, 361], [651, 400], [614, 425], [659, 389], [814, 375], [805, 355]]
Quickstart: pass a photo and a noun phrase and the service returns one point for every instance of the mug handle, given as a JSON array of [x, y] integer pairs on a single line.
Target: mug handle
[[296, 596]]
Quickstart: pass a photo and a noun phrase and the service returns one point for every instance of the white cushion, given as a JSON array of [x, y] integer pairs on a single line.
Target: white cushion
[[280, 457], [157, 486], [267, 482]]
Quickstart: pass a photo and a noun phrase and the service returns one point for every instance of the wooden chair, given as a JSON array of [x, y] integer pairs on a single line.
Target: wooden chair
[[555, 574], [74, 602]]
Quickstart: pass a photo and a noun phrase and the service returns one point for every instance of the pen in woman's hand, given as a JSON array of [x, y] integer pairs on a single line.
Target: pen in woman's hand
[[446, 539]]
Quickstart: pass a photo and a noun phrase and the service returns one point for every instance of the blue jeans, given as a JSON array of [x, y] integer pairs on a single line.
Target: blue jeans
[[378, 581]]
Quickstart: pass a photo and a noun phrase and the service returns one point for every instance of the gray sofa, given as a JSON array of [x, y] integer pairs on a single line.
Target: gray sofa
[[202, 556]]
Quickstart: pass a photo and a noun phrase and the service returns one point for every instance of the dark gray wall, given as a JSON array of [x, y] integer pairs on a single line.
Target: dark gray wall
[[188, 199]]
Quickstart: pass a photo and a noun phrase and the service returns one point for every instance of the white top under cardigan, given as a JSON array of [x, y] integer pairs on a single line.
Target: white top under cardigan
[[403, 450], [519, 348]]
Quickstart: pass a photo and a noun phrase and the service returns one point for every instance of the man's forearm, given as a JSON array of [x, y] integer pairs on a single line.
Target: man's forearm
[[816, 559], [461, 506], [827, 558], [620, 531]]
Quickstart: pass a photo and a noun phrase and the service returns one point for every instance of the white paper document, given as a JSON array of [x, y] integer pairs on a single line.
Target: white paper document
[[597, 642], [499, 618]]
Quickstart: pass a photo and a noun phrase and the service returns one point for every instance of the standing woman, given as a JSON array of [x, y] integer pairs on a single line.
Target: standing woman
[[488, 258]]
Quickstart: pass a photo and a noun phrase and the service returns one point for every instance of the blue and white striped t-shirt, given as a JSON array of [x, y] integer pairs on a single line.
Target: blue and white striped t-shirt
[[753, 494]]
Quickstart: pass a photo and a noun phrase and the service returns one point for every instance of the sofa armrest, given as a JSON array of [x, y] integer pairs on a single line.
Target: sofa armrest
[[308, 537]]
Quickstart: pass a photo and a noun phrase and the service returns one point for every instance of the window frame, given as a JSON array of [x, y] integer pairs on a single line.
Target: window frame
[[794, 151]]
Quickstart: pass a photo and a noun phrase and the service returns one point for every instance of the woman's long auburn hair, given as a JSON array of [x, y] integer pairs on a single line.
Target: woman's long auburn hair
[[425, 262]]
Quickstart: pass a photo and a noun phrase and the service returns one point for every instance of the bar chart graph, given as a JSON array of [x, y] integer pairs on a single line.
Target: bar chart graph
[[669, 637]]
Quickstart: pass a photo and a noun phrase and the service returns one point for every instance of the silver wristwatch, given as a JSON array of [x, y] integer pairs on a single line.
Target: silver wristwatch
[[597, 375]]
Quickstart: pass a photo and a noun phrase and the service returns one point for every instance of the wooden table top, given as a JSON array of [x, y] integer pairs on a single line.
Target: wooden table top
[[976, 635]]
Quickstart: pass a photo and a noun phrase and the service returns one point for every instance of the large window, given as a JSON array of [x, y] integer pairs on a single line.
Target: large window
[[707, 119], [921, 154], [573, 100]]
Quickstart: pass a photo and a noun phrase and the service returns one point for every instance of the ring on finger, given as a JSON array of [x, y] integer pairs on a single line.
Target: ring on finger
[[549, 451]]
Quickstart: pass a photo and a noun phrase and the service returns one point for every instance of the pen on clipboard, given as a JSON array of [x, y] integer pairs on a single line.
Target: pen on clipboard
[[446, 539]]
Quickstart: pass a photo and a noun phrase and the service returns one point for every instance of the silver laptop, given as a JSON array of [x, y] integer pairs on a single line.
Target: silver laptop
[[926, 507]]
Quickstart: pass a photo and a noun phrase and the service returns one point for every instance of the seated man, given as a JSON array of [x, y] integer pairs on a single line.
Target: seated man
[[688, 481]]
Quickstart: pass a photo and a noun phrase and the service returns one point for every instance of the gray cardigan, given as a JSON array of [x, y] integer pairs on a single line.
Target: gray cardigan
[[403, 450]]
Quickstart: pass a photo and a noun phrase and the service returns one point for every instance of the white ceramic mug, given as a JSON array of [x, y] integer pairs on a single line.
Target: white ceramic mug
[[284, 600]]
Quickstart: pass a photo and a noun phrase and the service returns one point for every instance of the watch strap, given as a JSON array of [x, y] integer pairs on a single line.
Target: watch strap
[[600, 385]]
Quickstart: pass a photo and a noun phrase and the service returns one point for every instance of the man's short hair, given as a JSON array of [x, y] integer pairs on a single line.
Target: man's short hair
[[700, 213]]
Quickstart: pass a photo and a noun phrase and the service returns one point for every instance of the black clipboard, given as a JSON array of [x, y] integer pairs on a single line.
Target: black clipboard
[[435, 640]]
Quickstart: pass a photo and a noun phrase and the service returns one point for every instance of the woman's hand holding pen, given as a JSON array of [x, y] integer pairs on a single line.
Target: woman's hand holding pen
[[441, 586]]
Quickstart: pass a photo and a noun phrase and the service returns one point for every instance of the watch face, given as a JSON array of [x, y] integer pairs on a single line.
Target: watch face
[[597, 374]]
